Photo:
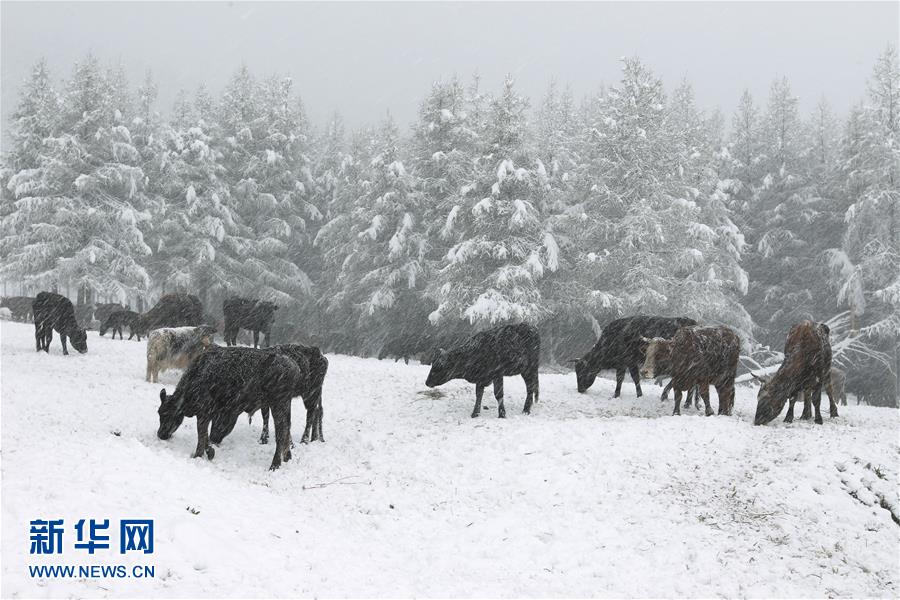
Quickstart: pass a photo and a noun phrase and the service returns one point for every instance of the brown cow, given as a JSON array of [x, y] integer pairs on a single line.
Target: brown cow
[[700, 356], [834, 388], [806, 368]]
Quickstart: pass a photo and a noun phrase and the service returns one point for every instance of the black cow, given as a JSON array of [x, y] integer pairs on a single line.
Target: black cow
[[697, 356], [620, 348], [172, 310], [103, 310], [224, 382], [487, 358], [119, 319], [244, 313], [52, 311], [19, 306]]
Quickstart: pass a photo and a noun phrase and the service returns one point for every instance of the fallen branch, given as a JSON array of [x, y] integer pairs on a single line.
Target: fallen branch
[[340, 481]]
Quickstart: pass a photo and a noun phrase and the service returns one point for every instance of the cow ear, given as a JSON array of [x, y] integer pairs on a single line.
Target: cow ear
[[162, 396]]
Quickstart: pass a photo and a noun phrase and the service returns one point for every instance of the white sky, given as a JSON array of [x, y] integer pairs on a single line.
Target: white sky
[[364, 59]]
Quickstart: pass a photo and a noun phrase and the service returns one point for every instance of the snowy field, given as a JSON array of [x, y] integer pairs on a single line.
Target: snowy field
[[588, 496]]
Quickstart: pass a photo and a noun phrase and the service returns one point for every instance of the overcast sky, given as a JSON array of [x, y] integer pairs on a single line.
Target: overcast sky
[[366, 58]]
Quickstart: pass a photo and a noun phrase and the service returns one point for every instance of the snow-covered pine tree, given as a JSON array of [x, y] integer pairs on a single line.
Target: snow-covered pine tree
[[500, 248], [778, 220], [385, 270], [260, 147], [868, 266], [34, 121], [82, 212], [195, 221]]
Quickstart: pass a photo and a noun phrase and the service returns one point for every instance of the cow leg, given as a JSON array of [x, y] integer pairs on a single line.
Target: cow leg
[[48, 338], [281, 414], [222, 425], [691, 399], [665, 392], [38, 337], [725, 394], [789, 417], [203, 439], [807, 408], [677, 410], [620, 377], [479, 392], [264, 436], [498, 396], [266, 342], [702, 393], [256, 338], [817, 401], [636, 378], [62, 338], [317, 426], [829, 389]]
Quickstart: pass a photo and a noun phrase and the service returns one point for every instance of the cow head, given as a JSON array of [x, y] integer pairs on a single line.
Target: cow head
[[170, 415], [441, 369], [584, 375], [78, 337], [657, 351], [267, 310], [104, 327], [769, 400]]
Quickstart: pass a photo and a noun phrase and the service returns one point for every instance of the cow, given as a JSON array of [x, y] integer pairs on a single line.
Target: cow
[[699, 356], [19, 306], [52, 311], [806, 369], [175, 348], [172, 310], [619, 348], [224, 382], [244, 313], [103, 310], [834, 388], [404, 346], [119, 319], [487, 358]]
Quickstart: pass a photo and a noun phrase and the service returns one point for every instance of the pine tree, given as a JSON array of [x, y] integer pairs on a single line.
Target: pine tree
[[869, 264], [260, 154], [500, 249], [86, 225]]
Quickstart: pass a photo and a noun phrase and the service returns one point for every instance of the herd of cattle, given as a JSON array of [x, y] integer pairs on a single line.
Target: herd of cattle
[[220, 383]]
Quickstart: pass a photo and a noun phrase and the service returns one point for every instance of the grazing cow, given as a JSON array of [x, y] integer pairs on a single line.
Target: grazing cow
[[52, 311], [834, 388], [806, 368], [172, 310], [19, 306], [225, 382], [103, 310], [244, 313], [487, 358], [619, 348], [404, 346], [699, 356], [119, 319], [175, 348]]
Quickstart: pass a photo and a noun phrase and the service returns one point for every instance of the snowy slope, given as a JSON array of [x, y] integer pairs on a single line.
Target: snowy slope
[[587, 496]]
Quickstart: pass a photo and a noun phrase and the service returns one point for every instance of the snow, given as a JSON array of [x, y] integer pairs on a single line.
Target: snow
[[588, 496]]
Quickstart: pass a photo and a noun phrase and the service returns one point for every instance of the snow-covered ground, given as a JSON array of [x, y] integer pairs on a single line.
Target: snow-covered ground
[[588, 496]]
